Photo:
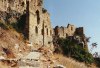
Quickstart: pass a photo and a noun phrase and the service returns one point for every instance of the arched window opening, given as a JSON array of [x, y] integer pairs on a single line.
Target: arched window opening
[[36, 30], [47, 31], [72, 28], [38, 17], [66, 35]]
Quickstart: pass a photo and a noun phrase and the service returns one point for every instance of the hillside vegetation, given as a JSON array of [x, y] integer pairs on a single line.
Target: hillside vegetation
[[70, 48], [9, 39], [69, 62]]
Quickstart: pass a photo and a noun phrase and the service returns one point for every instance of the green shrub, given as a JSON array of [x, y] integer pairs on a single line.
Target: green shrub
[[70, 48]]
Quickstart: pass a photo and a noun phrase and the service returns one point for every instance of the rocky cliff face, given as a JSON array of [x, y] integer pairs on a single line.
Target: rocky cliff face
[[10, 10]]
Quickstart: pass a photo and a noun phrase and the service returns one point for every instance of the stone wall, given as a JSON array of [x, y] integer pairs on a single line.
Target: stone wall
[[38, 26], [71, 31], [79, 31], [65, 31], [17, 5], [40, 30], [10, 10]]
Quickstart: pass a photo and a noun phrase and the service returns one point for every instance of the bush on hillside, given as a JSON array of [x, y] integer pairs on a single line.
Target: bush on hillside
[[70, 48]]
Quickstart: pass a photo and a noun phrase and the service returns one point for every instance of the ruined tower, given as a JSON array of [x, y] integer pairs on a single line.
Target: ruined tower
[[65, 31], [38, 26]]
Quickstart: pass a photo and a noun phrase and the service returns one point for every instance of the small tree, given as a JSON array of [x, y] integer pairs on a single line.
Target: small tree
[[93, 45]]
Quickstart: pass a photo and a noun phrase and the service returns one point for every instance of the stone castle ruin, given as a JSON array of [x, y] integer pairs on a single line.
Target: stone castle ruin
[[37, 27], [65, 31], [73, 33]]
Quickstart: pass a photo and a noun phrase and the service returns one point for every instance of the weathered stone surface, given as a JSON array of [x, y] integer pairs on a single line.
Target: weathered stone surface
[[30, 64], [17, 5], [59, 66], [71, 32], [64, 31], [38, 26], [40, 30], [32, 56]]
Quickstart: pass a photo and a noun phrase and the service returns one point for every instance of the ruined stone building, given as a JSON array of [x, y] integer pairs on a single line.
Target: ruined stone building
[[80, 32], [71, 32], [38, 26], [65, 31]]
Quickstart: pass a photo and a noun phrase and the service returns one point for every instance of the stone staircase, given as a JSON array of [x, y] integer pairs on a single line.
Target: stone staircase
[[40, 58]]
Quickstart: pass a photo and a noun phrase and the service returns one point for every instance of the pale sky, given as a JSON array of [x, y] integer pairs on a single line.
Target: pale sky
[[81, 13]]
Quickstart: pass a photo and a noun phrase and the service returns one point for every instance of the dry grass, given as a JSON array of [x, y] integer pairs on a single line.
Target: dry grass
[[10, 38], [2, 65], [69, 62]]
